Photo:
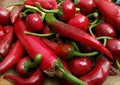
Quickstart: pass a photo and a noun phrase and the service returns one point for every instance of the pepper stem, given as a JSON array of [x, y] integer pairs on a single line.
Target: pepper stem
[[118, 64], [29, 65], [62, 72], [39, 35]]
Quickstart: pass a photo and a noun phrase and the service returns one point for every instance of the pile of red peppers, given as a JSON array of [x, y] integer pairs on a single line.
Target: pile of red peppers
[[75, 41]]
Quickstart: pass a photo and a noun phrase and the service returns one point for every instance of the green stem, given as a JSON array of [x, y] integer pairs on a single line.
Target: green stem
[[75, 2], [39, 35], [68, 76], [92, 26], [118, 64], [45, 10], [75, 45], [75, 53], [29, 65]]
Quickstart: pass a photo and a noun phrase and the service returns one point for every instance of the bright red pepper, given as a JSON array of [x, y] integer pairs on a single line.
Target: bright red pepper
[[65, 50], [6, 42], [14, 13], [12, 57], [34, 22], [4, 16], [113, 15], [100, 72], [47, 4], [74, 33], [37, 78], [34, 45], [26, 65], [80, 21]]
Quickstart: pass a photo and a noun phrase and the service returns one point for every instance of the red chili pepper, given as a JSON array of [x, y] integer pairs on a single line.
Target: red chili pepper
[[46, 29], [99, 74], [113, 15], [12, 58], [4, 16], [2, 32], [14, 13], [80, 21], [37, 78], [86, 6], [47, 4], [65, 50], [34, 22], [34, 45], [6, 42], [26, 65], [74, 33]]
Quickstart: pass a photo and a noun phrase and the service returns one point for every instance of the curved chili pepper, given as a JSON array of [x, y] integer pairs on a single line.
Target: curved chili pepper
[[37, 78], [14, 13], [75, 34], [50, 63], [12, 58], [112, 15], [2, 32], [6, 42], [26, 65], [65, 50], [100, 72], [47, 4]]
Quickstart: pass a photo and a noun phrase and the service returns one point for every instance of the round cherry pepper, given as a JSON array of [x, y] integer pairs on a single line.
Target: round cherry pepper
[[105, 29], [34, 22], [113, 45], [26, 65], [4, 16], [80, 21], [80, 66], [86, 6]]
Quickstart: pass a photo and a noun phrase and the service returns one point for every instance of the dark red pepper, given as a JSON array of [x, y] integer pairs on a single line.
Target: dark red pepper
[[2, 32], [65, 50], [113, 15], [6, 42], [12, 57], [14, 13], [80, 21], [26, 65], [4, 16], [74, 33], [50, 61], [47, 4], [37, 78], [100, 72]]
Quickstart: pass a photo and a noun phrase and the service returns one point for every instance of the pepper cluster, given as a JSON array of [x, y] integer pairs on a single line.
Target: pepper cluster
[[75, 41]]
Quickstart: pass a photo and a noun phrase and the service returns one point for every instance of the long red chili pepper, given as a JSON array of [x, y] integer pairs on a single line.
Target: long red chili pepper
[[12, 58], [74, 33], [37, 78], [99, 74], [113, 15], [65, 50], [50, 61], [5, 43]]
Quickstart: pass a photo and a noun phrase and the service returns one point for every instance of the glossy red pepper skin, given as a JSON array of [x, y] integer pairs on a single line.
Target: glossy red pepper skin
[[68, 10], [46, 29], [74, 33], [20, 66], [113, 15], [4, 16], [47, 4], [6, 42], [34, 46], [100, 72], [12, 57], [86, 6], [2, 32], [36, 78], [34, 22], [14, 13], [80, 21]]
